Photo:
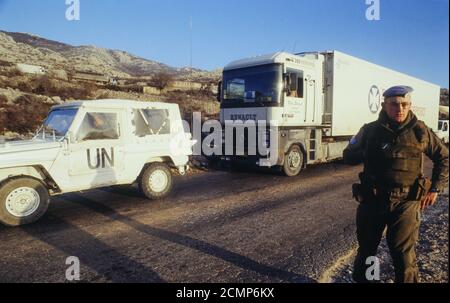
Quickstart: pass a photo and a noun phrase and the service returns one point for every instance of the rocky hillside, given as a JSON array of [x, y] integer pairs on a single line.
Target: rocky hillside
[[31, 49]]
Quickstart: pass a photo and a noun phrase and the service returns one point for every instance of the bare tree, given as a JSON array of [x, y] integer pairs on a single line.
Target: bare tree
[[161, 80]]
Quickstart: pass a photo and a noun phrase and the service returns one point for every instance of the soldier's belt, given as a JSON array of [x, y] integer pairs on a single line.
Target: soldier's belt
[[392, 192], [400, 192]]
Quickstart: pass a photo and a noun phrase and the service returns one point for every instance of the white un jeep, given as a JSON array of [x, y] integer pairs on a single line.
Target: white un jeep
[[90, 144]]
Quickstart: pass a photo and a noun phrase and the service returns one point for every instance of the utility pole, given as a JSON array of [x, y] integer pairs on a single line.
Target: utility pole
[[190, 47]]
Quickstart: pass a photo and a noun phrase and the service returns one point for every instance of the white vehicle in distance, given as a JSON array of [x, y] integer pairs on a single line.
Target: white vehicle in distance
[[90, 144], [442, 132]]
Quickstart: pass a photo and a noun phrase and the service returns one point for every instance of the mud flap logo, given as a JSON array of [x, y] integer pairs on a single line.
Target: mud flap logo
[[103, 159]]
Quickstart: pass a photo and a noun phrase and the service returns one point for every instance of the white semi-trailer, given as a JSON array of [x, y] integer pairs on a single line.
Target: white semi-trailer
[[318, 99]]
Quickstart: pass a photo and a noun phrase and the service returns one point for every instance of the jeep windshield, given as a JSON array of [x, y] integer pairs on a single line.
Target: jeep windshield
[[57, 123], [256, 84]]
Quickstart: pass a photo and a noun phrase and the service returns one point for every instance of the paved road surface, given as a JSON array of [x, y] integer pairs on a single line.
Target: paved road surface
[[218, 226]]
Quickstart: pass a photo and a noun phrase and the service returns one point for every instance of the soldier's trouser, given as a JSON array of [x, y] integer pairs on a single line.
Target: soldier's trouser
[[402, 219]]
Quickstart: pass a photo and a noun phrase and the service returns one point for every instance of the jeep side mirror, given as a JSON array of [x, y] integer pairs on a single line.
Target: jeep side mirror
[[70, 137]]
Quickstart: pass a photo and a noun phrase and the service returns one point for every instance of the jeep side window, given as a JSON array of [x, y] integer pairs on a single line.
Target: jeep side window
[[98, 126], [151, 122]]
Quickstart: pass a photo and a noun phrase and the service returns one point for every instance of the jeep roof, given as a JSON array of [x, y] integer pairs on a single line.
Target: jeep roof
[[114, 103]]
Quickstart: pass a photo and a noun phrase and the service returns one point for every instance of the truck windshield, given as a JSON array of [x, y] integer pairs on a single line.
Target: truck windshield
[[253, 84], [58, 122]]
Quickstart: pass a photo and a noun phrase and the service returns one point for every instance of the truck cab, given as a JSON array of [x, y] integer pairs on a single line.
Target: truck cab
[[90, 144], [286, 89], [281, 87]]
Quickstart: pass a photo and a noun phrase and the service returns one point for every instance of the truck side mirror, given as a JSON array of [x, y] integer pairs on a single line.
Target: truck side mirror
[[293, 79], [290, 82], [286, 82], [219, 91]]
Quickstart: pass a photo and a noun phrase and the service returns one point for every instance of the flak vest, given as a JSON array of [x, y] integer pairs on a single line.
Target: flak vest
[[394, 157]]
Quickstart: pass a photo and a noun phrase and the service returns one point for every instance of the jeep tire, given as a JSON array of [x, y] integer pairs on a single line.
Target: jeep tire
[[22, 201], [156, 181]]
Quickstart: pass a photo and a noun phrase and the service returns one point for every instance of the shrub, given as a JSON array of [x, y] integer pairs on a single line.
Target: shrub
[[25, 87], [104, 95], [25, 115], [6, 63], [11, 72], [43, 85], [48, 87], [3, 100]]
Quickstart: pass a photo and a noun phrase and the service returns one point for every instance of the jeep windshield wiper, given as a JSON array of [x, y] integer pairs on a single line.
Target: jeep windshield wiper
[[47, 129]]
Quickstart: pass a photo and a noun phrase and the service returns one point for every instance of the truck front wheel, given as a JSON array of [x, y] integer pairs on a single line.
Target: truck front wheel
[[293, 161], [156, 181], [23, 201]]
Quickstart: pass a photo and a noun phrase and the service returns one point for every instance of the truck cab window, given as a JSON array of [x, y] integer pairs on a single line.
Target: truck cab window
[[295, 87], [253, 84], [98, 126]]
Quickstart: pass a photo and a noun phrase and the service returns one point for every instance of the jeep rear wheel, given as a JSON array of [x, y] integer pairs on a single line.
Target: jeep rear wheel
[[156, 181], [23, 201]]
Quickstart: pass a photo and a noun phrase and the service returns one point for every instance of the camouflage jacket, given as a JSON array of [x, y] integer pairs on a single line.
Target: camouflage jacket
[[393, 155]]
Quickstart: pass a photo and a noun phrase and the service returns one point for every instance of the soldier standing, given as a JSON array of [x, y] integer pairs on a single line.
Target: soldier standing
[[393, 190]]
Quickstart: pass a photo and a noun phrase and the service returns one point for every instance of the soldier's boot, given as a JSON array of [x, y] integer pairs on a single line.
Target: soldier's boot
[[370, 224], [402, 235]]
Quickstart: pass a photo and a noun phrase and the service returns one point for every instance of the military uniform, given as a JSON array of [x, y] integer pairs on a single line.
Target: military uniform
[[392, 156]]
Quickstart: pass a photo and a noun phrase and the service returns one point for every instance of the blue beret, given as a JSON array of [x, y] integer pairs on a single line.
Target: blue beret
[[400, 90]]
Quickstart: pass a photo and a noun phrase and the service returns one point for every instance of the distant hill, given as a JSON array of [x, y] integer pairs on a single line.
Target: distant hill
[[31, 49]]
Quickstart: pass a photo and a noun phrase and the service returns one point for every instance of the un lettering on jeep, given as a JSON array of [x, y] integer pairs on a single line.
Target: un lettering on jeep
[[103, 159]]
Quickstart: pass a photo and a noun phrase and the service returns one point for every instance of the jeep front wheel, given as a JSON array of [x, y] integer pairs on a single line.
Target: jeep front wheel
[[23, 201], [156, 181]]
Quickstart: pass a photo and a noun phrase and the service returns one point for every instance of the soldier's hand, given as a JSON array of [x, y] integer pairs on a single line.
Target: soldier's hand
[[429, 200]]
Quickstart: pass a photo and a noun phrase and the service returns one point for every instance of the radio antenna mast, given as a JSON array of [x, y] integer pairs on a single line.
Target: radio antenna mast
[[190, 46]]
